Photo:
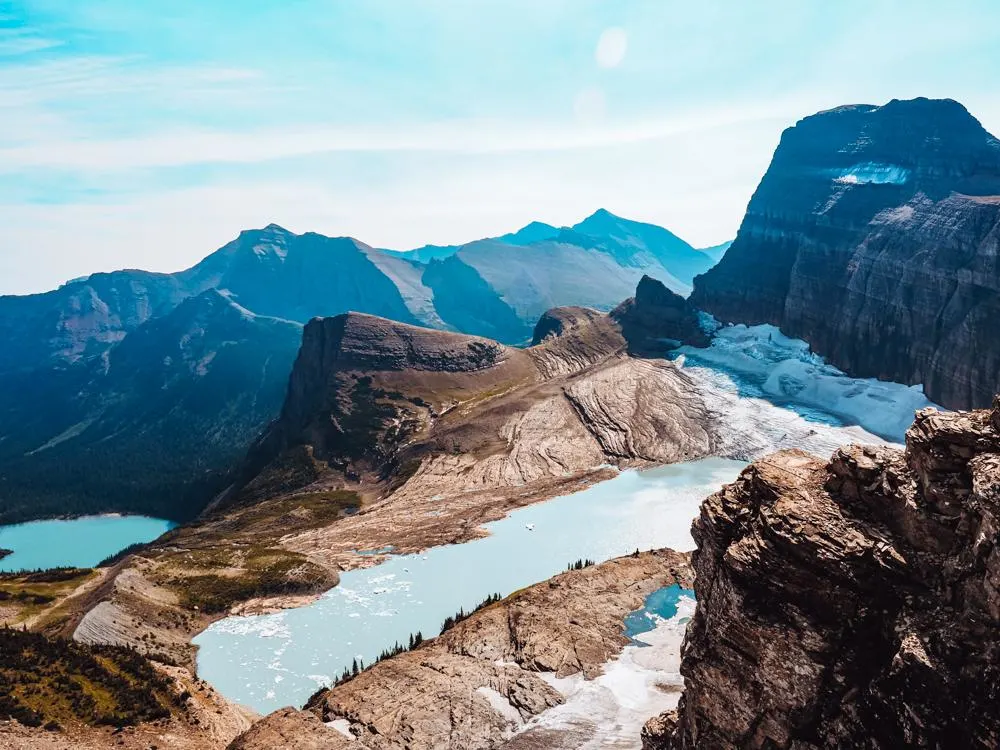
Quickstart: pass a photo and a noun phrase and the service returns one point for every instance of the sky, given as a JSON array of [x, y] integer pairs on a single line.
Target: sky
[[147, 134]]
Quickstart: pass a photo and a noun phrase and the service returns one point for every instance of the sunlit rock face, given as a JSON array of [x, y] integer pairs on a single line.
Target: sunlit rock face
[[849, 603], [874, 235]]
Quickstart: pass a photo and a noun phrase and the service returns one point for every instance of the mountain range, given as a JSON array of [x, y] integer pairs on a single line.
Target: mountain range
[[849, 602], [137, 391]]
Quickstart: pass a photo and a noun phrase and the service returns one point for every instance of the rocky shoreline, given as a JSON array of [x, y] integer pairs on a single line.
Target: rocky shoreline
[[484, 678]]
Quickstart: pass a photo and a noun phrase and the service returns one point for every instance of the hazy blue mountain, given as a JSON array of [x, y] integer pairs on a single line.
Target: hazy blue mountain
[[297, 277], [716, 251], [536, 231], [635, 243], [466, 302], [426, 253], [131, 390], [152, 426]]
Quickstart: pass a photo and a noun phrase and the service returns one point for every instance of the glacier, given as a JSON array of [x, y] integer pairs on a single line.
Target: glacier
[[760, 362]]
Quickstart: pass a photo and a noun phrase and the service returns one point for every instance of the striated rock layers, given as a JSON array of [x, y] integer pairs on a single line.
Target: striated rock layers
[[373, 404], [854, 603], [875, 235]]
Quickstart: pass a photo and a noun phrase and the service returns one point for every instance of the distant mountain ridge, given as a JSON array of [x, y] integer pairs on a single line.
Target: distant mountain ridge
[[134, 391]]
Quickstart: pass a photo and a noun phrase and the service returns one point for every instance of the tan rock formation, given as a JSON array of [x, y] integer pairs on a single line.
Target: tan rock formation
[[853, 603]]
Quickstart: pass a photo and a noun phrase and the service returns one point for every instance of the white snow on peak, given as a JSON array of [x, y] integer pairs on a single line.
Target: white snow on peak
[[872, 173]]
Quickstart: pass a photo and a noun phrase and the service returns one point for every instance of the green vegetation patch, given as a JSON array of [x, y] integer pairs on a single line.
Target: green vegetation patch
[[299, 512], [263, 572], [33, 592], [53, 683]]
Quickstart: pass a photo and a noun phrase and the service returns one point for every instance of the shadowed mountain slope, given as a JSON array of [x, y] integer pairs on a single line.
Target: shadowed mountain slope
[[875, 235]]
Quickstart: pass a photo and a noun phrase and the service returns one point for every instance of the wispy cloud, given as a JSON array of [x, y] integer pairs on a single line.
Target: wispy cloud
[[148, 133], [13, 45], [187, 148]]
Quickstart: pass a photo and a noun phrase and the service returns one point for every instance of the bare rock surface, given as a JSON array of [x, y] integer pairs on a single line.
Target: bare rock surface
[[850, 603], [475, 686]]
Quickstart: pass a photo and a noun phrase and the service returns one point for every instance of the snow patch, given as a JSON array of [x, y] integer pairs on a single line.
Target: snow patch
[[501, 705], [642, 682], [872, 173], [341, 725], [760, 362]]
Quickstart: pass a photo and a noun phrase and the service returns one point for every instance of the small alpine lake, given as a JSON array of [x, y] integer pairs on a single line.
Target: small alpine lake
[[75, 542], [270, 661]]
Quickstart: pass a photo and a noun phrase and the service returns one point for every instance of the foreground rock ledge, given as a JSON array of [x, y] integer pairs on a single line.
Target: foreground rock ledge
[[854, 603], [570, 624]]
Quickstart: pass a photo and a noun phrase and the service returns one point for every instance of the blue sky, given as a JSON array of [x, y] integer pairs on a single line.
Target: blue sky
[[146, 134]]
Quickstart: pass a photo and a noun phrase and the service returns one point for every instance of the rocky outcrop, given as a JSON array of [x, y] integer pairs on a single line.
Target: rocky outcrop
[[874, 235], [570, 339], [853, 603], [361, 388], [373, 402], [657, 319], [479, 682]]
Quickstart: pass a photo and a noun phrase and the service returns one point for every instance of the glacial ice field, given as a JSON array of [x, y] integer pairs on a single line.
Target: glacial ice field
[[759, 362]]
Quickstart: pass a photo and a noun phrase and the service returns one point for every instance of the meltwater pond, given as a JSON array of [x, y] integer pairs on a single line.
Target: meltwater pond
[[75, 542], [270, 661]]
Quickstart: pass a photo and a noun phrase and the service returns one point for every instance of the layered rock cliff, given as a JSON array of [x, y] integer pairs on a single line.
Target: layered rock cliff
[[372, 401], [874, 235], [850, 603]]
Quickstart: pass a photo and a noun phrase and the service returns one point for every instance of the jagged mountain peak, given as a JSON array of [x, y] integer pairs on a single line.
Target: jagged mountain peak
[[873, 236], [535, 231]]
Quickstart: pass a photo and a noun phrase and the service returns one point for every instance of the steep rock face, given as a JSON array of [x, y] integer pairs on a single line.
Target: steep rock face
[[656, 318], [362, 386], [875, 235], [82, 318], [853, 603], [380, 403]]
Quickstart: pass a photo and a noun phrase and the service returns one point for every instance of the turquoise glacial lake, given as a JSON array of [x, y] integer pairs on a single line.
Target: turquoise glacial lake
[[76, 542], [269, 661], [660, 605]]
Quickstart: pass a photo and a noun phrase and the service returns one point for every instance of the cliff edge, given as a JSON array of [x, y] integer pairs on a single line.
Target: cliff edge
[[850, 603]]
